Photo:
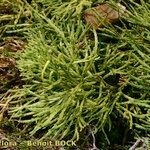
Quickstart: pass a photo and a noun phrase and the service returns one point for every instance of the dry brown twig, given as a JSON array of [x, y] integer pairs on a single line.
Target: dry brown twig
[[139, 143], [94, 141]]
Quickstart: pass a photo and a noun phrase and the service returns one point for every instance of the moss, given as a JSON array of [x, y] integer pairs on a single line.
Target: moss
[[76, 77]]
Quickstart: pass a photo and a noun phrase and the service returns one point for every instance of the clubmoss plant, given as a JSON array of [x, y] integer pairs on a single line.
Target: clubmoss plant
[[76, 77], [15, 18]]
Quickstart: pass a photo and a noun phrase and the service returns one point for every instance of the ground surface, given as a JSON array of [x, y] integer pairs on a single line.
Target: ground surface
[[104, 66]]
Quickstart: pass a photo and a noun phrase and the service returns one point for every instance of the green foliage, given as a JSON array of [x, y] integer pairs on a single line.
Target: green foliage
[[15, 18], [77, 77]]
